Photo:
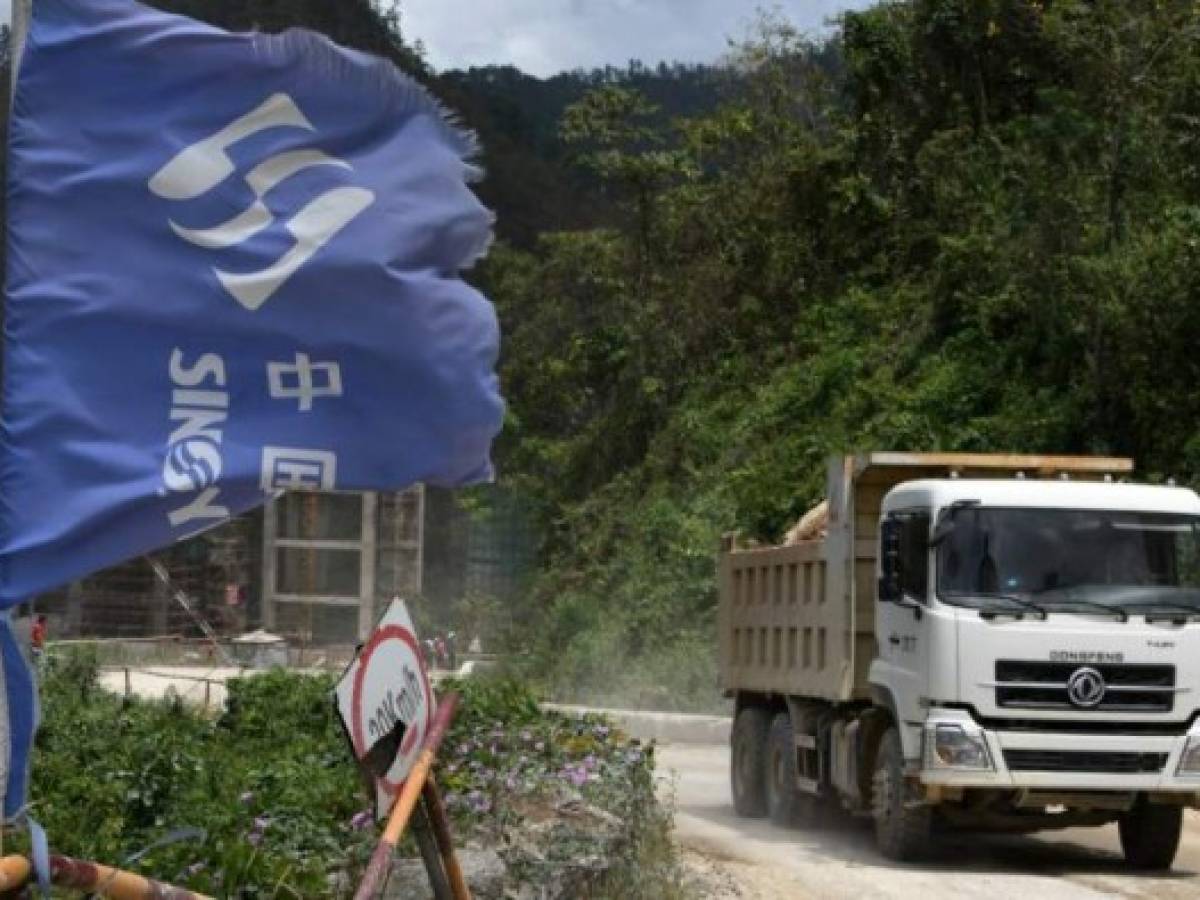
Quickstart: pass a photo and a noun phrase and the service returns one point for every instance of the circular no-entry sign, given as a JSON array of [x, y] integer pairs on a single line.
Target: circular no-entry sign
[[385, 703]]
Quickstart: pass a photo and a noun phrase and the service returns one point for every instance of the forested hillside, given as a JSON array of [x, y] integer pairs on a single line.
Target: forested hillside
[[965, 225], [530, 180]]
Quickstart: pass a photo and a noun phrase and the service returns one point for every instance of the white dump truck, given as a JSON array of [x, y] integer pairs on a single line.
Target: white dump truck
[[975, 642]]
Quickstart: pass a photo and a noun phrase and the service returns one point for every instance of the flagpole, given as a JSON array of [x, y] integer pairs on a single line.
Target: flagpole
[[22, 10]]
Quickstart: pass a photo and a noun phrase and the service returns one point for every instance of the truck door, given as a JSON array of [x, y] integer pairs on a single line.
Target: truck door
[[901, 623]]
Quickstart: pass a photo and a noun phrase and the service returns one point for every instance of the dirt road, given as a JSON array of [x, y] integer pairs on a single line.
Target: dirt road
[[765, 862]]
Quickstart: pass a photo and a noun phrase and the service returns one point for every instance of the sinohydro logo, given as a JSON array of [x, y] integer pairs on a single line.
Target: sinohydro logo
[[193, 463], [200, 167]]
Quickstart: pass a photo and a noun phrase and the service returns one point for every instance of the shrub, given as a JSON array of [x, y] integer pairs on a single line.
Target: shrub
[[270, 782]]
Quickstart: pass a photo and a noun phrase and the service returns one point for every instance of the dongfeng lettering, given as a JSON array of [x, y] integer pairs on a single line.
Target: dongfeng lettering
[[1086, 656], [193, 462]]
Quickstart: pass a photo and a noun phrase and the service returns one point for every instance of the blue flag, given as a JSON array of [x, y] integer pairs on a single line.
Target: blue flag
[[233, 269]]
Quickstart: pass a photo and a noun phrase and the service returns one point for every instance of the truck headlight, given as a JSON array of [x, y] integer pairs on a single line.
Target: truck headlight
[[953, 747], [1189, 762]]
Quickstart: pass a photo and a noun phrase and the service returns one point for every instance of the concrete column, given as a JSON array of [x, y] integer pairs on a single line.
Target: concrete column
[[368, 561], [419, 557], [160, 608], [269, 564], [75, 598]]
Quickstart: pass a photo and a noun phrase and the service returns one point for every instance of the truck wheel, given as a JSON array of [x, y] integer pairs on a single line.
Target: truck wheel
[[902, 826], [748, 762], [1150, 834], [787, 805]]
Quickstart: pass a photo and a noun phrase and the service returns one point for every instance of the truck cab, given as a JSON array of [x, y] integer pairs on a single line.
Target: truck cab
[[1032, 659], [1043, 636]]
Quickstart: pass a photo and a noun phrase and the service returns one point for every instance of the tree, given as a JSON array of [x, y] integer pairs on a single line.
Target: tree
[[611, 131]]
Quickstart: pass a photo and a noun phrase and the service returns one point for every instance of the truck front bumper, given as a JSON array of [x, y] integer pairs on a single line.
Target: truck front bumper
[[1057, 761]]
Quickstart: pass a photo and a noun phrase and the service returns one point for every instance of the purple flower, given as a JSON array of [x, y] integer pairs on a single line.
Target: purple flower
[[511, 781], [261, 823], [452, 799], [478, 802], [577, 775], [361, 820], [633, 756], [527, 735], [247, 798], [602, 731], [539, 746], [590, 762], [254, 839]]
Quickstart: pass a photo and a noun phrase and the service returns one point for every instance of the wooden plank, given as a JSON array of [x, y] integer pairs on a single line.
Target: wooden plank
[[306, 544], [805, 551], [1112, 465], [318, 600]]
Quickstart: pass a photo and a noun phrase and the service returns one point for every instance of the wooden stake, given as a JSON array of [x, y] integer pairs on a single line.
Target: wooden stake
[[381, 859], [431, 854], [441, 831], [104, 881], [15, 872]]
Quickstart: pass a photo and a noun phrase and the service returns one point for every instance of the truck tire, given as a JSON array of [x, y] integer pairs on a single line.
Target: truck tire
[[1150, 834], [902, 826], [748, 762], [787, 805]]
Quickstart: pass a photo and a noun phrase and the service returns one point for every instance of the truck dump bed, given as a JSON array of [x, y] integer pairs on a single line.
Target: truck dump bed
[[800, 619]]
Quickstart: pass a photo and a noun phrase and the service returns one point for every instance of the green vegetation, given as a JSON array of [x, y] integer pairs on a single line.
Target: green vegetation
[[961, 225], [270, 782], [271, 785]]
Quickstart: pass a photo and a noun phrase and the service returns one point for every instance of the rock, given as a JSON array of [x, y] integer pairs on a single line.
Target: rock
[[340, 884], [577, 809], [484, 870], [408, 880]]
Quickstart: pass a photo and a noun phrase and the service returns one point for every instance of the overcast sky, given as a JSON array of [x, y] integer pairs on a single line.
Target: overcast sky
[[547, 36]]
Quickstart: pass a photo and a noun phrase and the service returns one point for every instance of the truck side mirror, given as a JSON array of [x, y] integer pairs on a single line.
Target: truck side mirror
[[889, 560]]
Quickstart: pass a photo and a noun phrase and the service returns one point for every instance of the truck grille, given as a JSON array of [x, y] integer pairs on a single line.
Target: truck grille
[[1043, 685], [1083, 761]]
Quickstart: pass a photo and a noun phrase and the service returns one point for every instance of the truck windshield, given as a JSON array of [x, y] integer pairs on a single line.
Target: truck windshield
[[1072, 559]]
